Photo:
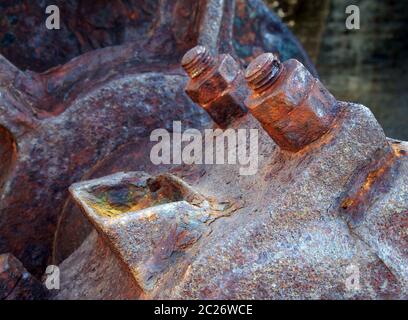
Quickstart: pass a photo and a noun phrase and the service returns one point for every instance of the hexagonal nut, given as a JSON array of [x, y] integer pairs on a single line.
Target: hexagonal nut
[[280, 99], [296, 110], [207, 87], [308, 121], [300, 128], [321, 103], [228, 106], [288, 93]]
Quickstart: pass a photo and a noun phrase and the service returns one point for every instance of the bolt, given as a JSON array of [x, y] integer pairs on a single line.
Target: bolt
[[293, 107], [216, 84], [196, 61], [263, 72]]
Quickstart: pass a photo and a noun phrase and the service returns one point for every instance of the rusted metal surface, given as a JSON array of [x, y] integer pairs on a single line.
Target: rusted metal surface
[[218, 85], [18, 284], [162, 203], [98, 274], [330, 193], [61, 149], [87, 118], [291, 231], [247, 27], [292, 106]]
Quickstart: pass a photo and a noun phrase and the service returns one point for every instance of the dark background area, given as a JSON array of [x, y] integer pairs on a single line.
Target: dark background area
[[368, 66]]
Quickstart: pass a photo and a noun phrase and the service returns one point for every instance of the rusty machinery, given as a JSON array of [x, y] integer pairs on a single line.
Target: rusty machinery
[[330, 192]]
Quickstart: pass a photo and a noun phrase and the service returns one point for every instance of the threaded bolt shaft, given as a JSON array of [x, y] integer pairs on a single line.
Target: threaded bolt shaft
[[196, 61], [263, 72]]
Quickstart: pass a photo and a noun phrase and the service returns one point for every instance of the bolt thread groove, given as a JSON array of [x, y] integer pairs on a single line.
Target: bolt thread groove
[[196, 61], [263, 72]]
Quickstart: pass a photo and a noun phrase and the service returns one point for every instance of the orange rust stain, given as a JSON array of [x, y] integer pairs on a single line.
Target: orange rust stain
[[150, 217], [398, 149], [372, 178], [347, 203], [374, 175]]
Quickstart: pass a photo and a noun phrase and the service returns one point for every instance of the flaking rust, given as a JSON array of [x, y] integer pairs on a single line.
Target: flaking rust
[[330, 194], [85, 113], [292, 106], [217, 85], [330, 197], [155, 238]]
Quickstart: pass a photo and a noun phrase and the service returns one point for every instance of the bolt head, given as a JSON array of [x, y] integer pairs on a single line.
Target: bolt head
[[203, 90]]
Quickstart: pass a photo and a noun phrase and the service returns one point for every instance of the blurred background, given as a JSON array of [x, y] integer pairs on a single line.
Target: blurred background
[[368, 66]]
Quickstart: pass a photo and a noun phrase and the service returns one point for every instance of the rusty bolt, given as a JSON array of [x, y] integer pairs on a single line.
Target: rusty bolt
[[216, 84], [292, 106]]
